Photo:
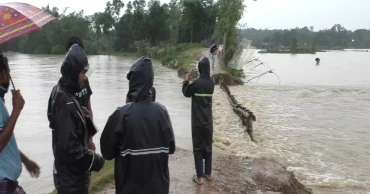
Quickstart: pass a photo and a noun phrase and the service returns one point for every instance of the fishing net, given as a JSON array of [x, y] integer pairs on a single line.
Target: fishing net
[[243, 55]]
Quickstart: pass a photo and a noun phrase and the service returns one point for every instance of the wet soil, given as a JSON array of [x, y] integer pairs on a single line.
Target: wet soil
[[231, 175]]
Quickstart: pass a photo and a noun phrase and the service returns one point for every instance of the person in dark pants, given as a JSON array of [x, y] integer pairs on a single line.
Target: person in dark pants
[[201, 92], [11, 158], [139, 136], [84, 95], [74, 158]]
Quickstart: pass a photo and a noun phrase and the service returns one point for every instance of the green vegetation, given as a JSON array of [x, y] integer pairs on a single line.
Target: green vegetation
[[294, 49], [171, 32], [148, 23], [100, 179], [230, 12], [336, 37], [294, 46], [178, 57]]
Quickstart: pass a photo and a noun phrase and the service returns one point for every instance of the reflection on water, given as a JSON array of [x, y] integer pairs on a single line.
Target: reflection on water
[[316, 122], [35, 75]]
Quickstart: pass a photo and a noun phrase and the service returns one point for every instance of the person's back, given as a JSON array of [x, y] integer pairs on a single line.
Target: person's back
[[152, 90], [201, 92], [139, 136]]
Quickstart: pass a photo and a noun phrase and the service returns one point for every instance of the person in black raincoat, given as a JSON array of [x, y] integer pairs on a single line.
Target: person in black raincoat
[[73, 157], [140, 137], [129, 96], [201, 91]]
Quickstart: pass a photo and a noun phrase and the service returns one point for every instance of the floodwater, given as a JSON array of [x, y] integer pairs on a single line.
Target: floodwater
[[35, 75], [315, 121]]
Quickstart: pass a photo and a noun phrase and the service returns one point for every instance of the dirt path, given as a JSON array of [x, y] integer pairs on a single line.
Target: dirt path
[[181, 171], [231, 174]]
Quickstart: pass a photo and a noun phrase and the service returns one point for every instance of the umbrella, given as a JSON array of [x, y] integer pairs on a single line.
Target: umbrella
[[17, 19]]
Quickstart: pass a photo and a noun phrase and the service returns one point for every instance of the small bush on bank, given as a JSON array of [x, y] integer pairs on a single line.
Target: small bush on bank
[[172, 56]]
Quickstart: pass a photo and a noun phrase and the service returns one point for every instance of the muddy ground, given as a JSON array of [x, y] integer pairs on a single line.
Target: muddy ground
[[231, 175]]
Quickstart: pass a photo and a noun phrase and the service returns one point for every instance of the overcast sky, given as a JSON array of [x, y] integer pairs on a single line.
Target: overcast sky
[[352, 14]]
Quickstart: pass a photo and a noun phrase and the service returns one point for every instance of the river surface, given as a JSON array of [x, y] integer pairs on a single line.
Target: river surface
[[35, 76], [316, 121]]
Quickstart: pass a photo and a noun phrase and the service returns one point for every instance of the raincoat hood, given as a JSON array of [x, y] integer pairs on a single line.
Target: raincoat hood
[[74, 62], [204, 67], [141, 77]]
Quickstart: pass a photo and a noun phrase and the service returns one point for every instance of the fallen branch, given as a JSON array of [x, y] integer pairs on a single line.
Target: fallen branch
[[244, 114]]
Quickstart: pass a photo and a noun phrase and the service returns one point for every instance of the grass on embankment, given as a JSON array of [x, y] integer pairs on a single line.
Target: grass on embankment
[[180, 57], [101, 179]]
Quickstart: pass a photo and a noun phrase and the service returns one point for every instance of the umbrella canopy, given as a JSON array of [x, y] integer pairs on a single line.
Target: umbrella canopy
[[17, 19]]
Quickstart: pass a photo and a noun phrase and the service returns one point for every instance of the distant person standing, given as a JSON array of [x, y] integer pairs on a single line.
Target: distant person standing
[[84, 95], [139, 136], [201, 92]]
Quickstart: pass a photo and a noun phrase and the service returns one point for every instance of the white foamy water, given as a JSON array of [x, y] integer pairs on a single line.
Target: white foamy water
[[316, 122]]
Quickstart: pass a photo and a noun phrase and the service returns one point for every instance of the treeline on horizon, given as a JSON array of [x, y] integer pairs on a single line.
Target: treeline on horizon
[[336, 37], [143, 24], [139, 24]]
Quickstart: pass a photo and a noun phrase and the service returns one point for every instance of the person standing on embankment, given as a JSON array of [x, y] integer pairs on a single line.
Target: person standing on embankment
[[201, 92], [74, 158], [139, 136], [129, 96], [85, 94]]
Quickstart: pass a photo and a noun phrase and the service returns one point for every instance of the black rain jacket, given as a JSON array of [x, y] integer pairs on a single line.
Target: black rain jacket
[[73, 158], [140, 137], [201, 92]]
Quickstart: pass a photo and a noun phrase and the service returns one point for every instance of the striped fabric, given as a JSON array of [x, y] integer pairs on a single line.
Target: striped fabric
[[203, 95], [145, 151], [17, 19]]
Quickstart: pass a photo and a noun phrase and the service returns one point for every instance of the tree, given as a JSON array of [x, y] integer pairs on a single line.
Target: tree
[[294, 46], [124, 30], [157, 21], [276, 38], [109, 18], [229, 14]]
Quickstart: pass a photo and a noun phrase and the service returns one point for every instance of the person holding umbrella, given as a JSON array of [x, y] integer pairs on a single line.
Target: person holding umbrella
[[11, 158], [74, 157]]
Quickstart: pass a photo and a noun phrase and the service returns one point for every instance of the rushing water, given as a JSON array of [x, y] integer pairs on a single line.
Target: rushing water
[[316, 121], [35, 75]]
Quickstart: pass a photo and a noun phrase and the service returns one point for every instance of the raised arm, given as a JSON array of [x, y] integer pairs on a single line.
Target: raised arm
[[188, 89], [7, 128]]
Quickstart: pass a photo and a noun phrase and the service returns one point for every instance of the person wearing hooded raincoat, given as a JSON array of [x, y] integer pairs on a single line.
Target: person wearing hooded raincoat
[[139, 136], [73, 157], [201, 92], [129, 96]]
